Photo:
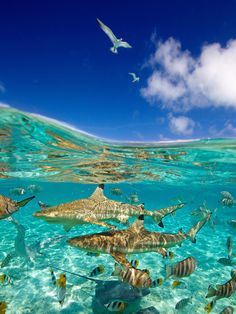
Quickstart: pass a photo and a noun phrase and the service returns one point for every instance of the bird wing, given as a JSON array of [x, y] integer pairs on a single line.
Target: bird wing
[[133, 75], [124, 44], [107, 30]]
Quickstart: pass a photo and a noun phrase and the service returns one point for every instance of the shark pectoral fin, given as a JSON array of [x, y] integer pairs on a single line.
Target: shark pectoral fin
[[138, 225], [121, 259], [124, 220], [98, 194], [68, 226], [161, 224], [25, 201], [173, 213], [98, 223]]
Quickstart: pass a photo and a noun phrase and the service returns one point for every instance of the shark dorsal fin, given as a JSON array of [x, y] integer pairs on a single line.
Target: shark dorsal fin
[[138, 224], [98, 194]]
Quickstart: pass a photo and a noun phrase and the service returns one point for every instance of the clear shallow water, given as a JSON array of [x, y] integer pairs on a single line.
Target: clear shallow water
[[67, 165]]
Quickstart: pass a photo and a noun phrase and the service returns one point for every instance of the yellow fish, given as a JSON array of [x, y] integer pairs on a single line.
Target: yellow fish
[[3, 307], [176, 283], [134, 263], [157, 282], [209, 306], [97, 271], [61, 288], [5, 280]]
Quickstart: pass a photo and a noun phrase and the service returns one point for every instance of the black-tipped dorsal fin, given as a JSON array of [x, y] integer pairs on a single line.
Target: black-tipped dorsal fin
[[98, 194], [138, 224]]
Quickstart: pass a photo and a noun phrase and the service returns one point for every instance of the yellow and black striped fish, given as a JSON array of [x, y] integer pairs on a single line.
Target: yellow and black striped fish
[[53, 277], [183, 268], [115, 306], [134, 263], [210, 306], [97, 271], [61, 288], [5, 280], [158, 282]]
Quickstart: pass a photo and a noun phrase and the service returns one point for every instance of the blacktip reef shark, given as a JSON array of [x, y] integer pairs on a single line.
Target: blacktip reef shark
[[96, 209], [8, 206], [136, 239]]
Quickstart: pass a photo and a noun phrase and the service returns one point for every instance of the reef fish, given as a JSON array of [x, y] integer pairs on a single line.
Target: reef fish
[[227, 310], [115, 306], [229, 245], [225, 290], [182, 303], [135, 277], [183, 268]]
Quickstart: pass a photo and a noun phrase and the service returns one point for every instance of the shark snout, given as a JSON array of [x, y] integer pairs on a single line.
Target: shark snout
[[38, 214]]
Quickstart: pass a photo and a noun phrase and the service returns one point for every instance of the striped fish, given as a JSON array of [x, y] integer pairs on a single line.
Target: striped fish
[[61, 288], [227, 310], [115, 306], [157, 282], [53, 277], [229, 245], [183, 268], [182, 303], [134, 263], [223, 291], [135, 277], [5, 280], [6, 260], [97, 271]]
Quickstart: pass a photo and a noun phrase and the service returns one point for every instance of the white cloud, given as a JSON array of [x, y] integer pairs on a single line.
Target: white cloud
[[227, 131], [4, 105], [2, 88], [181, 125], [181, 82]]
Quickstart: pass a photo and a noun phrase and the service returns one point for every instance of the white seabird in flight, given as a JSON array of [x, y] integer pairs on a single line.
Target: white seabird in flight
[[117, 43], [135, 77]]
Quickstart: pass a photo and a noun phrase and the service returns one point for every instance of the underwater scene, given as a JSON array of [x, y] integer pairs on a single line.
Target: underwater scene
[[94, 226]]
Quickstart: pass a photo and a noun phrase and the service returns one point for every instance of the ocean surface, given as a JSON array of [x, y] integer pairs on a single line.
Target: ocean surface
[[57, 164]]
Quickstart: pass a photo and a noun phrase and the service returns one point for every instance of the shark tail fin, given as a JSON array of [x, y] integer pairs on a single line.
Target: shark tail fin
[[196, 228], [211, 292], [114, 49], [24, 201]]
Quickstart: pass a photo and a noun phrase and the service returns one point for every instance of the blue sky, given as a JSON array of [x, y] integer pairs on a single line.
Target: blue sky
[[55, 61]]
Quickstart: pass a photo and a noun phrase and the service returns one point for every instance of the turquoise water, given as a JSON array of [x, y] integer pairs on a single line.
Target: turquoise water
[[66, 165]]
